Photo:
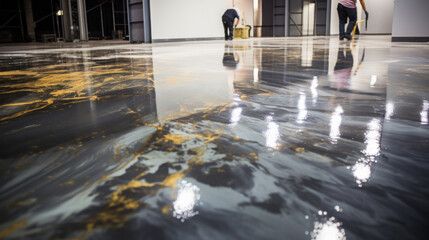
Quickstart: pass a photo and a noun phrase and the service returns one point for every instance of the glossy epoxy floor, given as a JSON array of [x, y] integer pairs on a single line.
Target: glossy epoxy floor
[[297, 138]]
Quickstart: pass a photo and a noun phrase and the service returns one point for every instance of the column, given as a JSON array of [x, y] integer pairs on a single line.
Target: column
[[83, 25], [66, 20], [28, 8]]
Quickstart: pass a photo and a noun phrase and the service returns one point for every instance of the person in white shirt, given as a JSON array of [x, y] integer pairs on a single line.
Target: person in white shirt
[[347, 9]]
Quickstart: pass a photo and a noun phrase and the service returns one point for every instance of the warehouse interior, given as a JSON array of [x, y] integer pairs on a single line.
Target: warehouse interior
[[141, 119], [83, 20], [57, 20]]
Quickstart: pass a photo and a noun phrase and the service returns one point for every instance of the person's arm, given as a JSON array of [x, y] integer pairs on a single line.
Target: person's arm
[[236, 21], [362, 2]]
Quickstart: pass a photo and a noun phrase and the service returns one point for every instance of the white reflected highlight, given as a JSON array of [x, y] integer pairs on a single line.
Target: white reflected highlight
[[272, 135], [335, 124], [188, 197], [373, 80], [338, 208], [424, 113], [313, 88], [390, 109], [236, 98], [255, 75], [302, 109], [307, 50], [362, 169], [372, 138], [329, 230], [235, 116], [361, 172]]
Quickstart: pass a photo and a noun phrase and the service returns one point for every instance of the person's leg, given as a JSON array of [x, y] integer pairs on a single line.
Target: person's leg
[[342, 16], [357, 31], [352, 14], [340, 60], [225, 28], [231, 30], [349, 57]]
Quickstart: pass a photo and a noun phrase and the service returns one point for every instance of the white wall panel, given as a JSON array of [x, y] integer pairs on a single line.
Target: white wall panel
[[172, 19], [411, 18]]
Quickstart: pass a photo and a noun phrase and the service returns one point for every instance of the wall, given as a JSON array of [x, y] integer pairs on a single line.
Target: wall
[[381, 16], [180, 19], [246, 10], [187, 18], [411, 18]]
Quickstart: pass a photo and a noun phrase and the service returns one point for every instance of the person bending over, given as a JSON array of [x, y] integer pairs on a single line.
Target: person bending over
[[230, 19], [347, 10]]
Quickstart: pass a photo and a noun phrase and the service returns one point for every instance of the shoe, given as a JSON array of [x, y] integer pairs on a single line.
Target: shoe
[[348, 37], [341, 38]]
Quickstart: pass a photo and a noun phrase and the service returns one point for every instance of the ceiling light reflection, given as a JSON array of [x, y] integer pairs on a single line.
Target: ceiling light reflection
[[235, 116], [373, 80], [338, 208], [255, 75], [329, 230], [314, 93], [236, 98], [372, 138], [188, 197], [335, 124], [424, 113], [307, 50], [390, 108], [302, 109], [361, 172], [272, 135], [362, 169]]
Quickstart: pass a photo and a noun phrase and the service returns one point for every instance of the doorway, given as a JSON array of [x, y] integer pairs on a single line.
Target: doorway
[[270, 18], [308, 18]]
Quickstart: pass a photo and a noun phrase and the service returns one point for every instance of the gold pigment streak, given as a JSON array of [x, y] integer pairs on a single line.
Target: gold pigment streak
[[12, 228]]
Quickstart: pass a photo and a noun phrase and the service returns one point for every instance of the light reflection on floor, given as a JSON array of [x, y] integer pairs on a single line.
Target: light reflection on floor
[[285, 138]]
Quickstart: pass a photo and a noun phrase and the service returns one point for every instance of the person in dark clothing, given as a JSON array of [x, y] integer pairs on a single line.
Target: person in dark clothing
[[343, 68], [230, 19], [347, 9]]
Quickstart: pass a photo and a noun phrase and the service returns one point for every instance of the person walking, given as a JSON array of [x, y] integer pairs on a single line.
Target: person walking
[[347, 10], [230, 19]]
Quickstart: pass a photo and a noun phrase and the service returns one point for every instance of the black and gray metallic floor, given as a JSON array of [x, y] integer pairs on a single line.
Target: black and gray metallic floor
[[296, 138]]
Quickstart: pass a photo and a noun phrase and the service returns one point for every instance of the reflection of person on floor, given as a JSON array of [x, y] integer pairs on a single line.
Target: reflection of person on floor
[[230, 58], [343, 68], [347, 9], [230, 19]]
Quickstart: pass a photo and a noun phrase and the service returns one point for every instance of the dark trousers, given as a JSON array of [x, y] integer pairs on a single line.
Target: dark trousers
[[344, 61], [343, 14], [228, 26]]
